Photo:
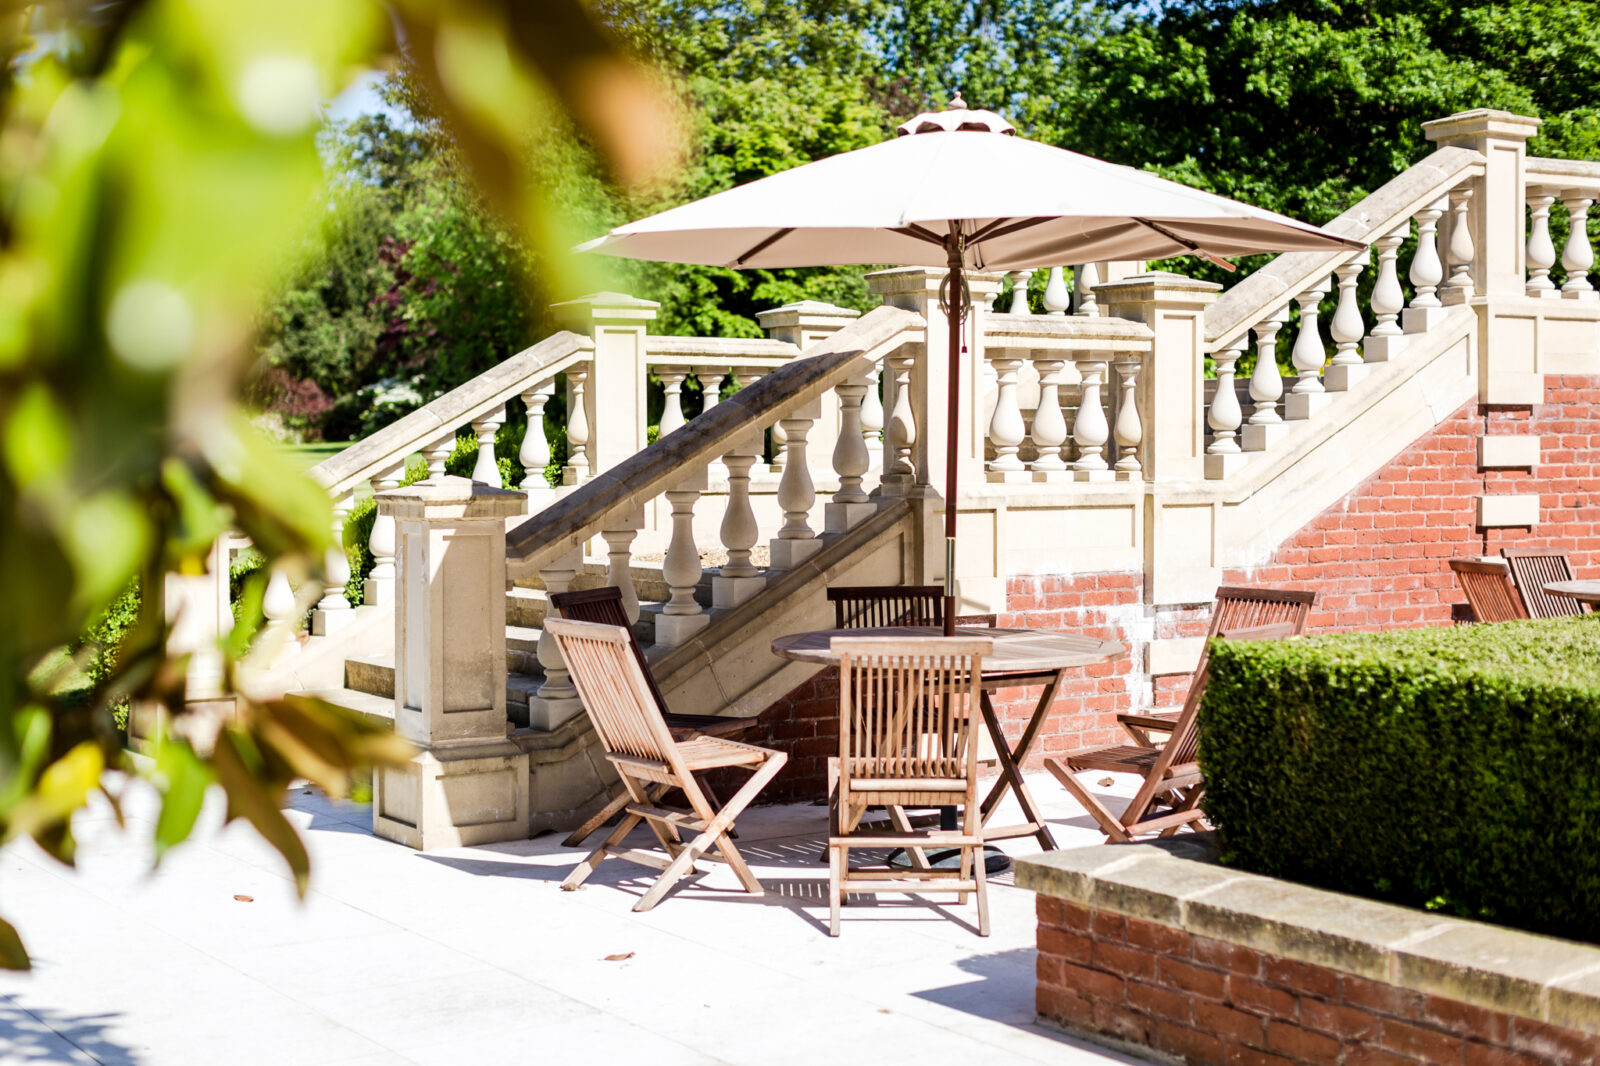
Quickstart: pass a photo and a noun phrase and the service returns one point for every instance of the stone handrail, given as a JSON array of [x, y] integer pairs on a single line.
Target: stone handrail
[[1579, 175], [1389, 206], [610, 495], [488, 392], [714, 351]]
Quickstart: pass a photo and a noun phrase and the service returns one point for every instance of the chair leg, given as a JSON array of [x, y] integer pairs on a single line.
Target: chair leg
[[1109, 824], [981, 873], [715, 831], [902, 824], [605, 814], [838, 861], [581, 873]]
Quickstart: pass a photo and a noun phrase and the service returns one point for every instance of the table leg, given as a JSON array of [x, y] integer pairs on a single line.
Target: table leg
[[1010, 764]]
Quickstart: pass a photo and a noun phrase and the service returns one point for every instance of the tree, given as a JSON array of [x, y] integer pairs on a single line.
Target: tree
[[160, 163]]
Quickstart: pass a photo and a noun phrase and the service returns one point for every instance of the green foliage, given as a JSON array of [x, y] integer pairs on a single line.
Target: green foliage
[[1451, 768]]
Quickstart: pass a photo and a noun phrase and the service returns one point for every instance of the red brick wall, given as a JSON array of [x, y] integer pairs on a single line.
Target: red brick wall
[[1377, 558], [1210, 1001]]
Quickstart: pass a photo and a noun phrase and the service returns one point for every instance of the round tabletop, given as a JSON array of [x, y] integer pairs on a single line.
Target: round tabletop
[[1582, 591], [1015, 650]]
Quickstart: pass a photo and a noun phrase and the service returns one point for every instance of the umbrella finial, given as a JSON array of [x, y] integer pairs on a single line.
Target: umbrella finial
[[956, 103]]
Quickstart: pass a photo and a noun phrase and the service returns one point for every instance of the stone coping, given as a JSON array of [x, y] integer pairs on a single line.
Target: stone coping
[[1178, 883]]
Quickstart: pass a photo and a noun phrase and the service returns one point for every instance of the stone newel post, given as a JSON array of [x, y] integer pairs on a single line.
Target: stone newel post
[[469, 783]]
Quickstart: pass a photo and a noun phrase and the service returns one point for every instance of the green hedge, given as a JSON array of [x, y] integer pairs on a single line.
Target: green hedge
[[1456, 768]]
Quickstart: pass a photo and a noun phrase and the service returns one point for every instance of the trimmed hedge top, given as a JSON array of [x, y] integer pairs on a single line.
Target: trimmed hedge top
[[1452, 768]]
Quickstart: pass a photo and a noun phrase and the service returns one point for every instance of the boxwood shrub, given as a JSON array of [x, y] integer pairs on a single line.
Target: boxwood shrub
[[1455, 768]]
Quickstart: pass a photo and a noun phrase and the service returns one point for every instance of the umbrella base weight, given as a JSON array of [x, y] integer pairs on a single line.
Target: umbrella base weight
[[995, 861]]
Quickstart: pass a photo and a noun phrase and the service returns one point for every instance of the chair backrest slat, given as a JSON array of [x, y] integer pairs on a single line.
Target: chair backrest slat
[[1242, 607], [1531, 571], [1185, 741], [613, 689], [604, 606], [874, 606], [908, 707], [1487, 583]]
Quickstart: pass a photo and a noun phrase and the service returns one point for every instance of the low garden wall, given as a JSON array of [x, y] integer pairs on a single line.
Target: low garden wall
[[1158, 947]]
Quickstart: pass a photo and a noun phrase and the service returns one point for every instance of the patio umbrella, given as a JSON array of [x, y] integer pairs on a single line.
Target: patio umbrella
[[957, 189]]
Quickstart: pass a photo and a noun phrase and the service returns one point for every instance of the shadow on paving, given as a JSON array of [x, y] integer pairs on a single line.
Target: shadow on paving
[[42, 1035], [1003, 992]]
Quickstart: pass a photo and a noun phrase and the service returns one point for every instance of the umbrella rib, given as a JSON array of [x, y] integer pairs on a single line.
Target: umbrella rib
[[1193, 247], [922, 233], [1001, 227], [764, 245]]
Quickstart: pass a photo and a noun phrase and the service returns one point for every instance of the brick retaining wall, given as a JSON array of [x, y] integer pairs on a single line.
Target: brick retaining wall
[[1145, 947]]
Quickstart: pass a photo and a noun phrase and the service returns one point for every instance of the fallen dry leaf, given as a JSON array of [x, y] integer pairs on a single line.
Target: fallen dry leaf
[[245, 899], [1107, 782], [619, 958]]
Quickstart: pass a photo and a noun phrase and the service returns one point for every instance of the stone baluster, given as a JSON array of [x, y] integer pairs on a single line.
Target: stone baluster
[[1308, 396], [1087, 279], [1223, 455], [1386, 339], [795, 541], [1005, 424], [1090, 430], [1020, 279], [486, 471], [333, 610], [711, 379], [872, 410], [1458, 289], [379, 587], [900, 435], [1049, 427], [1578, 254], [437, 454], [278, 606], [1266, 386], [534, 455], [1129, 431], [672, 379], [1541, 252], [851, 460], [1427, 271], [739, 579], [619, 535], [682, 616], [557, 578], [1346, 329], [1056, 297], [578, 468], [744, 377], [780, 453], [556, 699]]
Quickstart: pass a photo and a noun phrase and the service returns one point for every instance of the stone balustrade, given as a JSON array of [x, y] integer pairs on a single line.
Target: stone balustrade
[[1435, 197], [1568, 189]]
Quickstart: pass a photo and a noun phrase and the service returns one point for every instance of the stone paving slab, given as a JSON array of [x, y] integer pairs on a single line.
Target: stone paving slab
[[474, 955]]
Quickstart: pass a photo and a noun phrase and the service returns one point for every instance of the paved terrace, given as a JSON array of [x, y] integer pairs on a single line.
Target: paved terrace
[[475, 956]]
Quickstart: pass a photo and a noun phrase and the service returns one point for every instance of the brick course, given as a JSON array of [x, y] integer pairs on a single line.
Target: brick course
[[1212, 1002]]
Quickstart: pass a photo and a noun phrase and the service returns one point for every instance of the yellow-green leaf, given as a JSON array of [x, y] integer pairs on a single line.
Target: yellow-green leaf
[[13, 956]]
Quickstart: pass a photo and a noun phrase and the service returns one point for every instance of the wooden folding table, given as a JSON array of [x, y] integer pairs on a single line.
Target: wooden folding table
[[1021, 657]]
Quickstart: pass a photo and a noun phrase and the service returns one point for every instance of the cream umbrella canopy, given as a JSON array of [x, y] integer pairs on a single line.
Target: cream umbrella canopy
[[957, 189]]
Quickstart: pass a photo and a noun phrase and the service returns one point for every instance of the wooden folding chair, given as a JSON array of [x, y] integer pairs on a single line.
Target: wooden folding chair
[[1170, 794], [1490, 593], [872, 606], [604, 605], [1531, 572], [1237, 607], [636, 741], [907, 710]]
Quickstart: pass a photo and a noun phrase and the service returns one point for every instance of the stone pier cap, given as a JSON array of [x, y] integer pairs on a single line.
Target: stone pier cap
[[450, 497], [1178, 883]]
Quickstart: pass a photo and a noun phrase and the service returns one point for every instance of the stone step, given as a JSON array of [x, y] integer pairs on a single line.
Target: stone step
[[378, 710], [522, 650], [371, 677]]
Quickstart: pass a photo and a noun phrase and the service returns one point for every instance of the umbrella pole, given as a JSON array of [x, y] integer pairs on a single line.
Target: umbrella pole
[[956, 308]]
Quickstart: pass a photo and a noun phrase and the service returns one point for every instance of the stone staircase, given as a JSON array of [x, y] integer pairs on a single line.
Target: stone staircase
[[369, 678]]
